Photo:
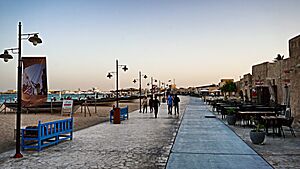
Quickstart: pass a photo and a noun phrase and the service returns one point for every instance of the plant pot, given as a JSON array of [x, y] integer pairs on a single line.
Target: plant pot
[[231, 119], [257, 137]]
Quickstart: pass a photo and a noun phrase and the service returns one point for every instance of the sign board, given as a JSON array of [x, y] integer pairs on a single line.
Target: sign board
[[67, 107]]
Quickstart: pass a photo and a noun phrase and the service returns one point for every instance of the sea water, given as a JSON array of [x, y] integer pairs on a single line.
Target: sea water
[[13, 97]]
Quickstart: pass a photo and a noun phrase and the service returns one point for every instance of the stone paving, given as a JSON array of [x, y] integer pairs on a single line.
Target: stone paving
[[140, 142], [278, 151], [203, 142]]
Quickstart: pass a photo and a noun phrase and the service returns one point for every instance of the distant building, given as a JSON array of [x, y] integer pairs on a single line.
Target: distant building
[[11, 91], [245, 86], [212, 89], [182, 90]]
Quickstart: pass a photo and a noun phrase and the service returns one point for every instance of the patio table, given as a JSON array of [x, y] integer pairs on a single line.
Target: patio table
[[248, 115], [275, 122]]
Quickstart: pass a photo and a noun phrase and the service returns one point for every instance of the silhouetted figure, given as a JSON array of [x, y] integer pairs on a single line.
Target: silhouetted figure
[[151, 104], [112, 110], [163, 99], [156, 104], [170, 104], [44, 89], [145, 104], [176, 104]]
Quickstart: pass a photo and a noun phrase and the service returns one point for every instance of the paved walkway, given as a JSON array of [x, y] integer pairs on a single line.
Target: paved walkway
[[208, 143], [140, 142], [146, 142]]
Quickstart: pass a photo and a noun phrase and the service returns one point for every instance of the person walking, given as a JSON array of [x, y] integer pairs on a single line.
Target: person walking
[[156, 104], [170, 104], [176, 104], [151, 104], [145, 104]]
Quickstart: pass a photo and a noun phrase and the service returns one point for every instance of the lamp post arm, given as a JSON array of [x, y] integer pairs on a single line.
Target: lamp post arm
[[152, 86], [28, 35], [13, 50]]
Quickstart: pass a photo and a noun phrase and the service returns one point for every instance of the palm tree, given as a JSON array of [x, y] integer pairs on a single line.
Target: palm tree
[[228, 87], [278, 58]]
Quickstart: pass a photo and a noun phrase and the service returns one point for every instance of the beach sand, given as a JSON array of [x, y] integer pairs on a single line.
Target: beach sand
[[81, 120]]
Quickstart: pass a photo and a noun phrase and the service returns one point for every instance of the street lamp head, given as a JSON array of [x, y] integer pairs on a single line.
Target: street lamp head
[[109, 75], [35, 39], [134, 81], [125, 68], [145, 77], [6, 56]]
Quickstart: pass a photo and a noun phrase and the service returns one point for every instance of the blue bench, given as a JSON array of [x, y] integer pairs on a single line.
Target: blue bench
[[123, 114], [46, 134]]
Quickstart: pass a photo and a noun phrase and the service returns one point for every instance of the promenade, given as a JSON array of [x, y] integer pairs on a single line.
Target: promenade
[[208, 143], [146, 142], [139, 142]]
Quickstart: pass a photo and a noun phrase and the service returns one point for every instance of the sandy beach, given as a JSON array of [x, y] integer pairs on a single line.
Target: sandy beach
[[81, 120]]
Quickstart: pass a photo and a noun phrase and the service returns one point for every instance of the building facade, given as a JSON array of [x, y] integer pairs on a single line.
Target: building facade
[[278, 81], [294, 75]]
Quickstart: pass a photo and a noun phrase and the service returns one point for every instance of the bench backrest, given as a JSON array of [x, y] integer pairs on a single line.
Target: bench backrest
[[55, 127], [124, 110]]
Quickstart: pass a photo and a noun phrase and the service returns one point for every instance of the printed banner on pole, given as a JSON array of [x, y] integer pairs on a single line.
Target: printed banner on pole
[[34, 84]]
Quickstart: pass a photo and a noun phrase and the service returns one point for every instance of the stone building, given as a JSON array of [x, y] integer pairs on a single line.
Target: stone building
[[279, 81], [245, 86], [294, 76], [272, 79]]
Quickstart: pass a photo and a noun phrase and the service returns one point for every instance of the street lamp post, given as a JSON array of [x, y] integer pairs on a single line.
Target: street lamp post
[[140, 87], [151, 82], [35, 40], [124, 67], [151, 86]]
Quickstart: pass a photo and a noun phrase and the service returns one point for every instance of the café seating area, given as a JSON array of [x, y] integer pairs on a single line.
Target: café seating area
[[274, 118]]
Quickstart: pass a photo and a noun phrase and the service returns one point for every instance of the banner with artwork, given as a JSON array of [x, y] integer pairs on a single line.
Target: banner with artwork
[[34, 84]]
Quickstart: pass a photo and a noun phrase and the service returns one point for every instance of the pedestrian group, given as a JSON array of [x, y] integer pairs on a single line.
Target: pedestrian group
[[172, 101]]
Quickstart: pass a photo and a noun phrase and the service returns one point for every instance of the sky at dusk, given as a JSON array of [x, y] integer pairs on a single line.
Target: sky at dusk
[[194, 42]]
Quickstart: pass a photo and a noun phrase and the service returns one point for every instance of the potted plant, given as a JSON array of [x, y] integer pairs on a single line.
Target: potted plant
[[231, 117], [257, 135]]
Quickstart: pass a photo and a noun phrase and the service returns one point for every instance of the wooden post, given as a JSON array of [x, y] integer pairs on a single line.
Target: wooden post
[[4, 106], [51, 105], [95, 107], [85, 108], [89, 110]]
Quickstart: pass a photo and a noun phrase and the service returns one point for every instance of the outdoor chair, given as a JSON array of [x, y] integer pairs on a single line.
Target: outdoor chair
[[288, 123], [276, 125]]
